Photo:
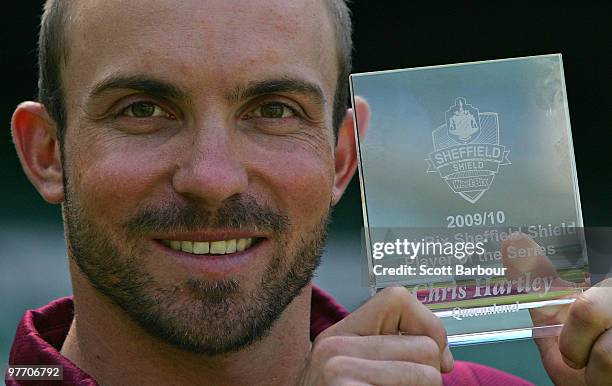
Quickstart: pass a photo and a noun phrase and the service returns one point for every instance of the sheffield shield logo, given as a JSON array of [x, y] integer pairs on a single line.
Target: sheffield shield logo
[[467, 153]]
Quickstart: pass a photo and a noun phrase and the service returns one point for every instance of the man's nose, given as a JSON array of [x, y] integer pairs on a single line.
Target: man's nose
[[211, 167]]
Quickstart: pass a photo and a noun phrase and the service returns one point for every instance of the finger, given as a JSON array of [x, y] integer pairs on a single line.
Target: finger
[[549, 316], [588, 317], [521, 254], [559, 372], [407, 348], [599, 366], [548, 346], [396, 310], [350, 370], [389, 312]]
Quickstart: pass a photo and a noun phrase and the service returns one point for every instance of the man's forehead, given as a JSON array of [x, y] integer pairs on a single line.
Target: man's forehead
[[210, 19], [274, 12], [203, 33]]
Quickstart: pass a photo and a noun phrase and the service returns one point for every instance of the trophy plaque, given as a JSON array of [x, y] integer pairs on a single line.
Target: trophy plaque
[[469, 192]]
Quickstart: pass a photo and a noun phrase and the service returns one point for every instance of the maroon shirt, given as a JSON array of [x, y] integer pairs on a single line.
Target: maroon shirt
[[41, 334]]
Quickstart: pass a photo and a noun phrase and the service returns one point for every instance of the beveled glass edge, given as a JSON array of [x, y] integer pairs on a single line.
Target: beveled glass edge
[[486, 61], [470, 339]]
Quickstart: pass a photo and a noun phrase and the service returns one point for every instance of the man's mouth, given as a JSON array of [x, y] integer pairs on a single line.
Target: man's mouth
[[219, 247]]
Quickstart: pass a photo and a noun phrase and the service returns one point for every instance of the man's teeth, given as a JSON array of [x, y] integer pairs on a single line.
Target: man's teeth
[[213, 248]]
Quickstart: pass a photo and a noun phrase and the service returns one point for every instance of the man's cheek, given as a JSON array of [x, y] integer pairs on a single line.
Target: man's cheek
[[306, 185], [117, 182]]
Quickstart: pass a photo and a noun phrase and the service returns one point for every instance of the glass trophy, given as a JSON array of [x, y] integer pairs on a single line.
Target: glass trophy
[[470, 195]]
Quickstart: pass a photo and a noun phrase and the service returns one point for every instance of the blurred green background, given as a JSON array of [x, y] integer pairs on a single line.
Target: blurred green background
[[33, 266]]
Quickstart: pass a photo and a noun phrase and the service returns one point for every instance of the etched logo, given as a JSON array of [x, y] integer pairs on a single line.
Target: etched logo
[[467, 153]]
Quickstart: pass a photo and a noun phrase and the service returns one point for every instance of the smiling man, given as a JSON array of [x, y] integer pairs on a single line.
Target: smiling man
[[196, 148]]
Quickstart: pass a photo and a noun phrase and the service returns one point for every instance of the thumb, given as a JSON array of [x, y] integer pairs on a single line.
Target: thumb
[[522, 255]]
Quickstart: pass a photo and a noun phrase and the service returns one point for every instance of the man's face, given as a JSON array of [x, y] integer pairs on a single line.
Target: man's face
[[199, 125]]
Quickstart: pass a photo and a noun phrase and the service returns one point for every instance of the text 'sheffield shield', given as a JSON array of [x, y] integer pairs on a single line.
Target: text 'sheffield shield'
[[467, 153]]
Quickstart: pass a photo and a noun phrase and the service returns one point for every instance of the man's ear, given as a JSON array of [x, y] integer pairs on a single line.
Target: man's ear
[[346, 153], [34, 135]]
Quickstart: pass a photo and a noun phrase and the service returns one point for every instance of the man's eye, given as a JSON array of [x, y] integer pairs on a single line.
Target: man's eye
[[145, 110], [273, 110]]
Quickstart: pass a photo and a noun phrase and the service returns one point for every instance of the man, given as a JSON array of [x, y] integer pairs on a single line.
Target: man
[[196, 149]]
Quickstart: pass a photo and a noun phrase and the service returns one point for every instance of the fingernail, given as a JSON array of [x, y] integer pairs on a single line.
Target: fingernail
[[447, 360]]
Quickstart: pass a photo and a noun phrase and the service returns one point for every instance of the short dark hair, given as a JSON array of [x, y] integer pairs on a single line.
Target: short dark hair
[[53, 55], [341, 18]]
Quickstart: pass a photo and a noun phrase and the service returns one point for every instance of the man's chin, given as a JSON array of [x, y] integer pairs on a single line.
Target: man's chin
[[210, 319]]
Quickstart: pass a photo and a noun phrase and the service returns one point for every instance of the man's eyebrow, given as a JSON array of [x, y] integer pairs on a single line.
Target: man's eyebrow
[[281, 85], [143, 83]]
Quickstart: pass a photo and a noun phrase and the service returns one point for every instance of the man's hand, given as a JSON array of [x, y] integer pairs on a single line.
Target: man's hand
[[366, 347], [582, 353]]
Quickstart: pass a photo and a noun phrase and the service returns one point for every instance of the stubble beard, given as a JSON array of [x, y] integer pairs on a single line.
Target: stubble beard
[[196, 315]]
